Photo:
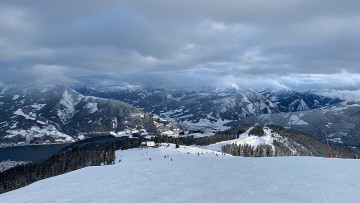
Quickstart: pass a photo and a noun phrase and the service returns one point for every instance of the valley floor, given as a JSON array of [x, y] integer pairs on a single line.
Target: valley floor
[[191, 174]]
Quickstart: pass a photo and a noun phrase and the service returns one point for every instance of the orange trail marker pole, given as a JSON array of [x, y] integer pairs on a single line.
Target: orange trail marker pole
[[329, 155]]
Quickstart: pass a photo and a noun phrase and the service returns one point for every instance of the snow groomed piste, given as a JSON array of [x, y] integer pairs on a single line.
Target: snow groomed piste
[[191, 174]]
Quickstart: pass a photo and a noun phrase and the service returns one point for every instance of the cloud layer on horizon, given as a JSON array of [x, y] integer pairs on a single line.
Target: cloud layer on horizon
[[278, 44]]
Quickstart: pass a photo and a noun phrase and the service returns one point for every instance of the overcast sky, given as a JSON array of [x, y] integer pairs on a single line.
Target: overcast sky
[[276, 44]]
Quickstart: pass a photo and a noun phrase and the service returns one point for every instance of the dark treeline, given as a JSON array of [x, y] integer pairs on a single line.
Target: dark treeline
[[246, 150], [257, 130], [92, 152], [283, 150]]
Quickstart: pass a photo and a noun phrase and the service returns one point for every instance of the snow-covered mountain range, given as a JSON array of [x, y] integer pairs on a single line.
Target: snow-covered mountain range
[[212, 107], [53, 113], [57, 114], [218, 108]]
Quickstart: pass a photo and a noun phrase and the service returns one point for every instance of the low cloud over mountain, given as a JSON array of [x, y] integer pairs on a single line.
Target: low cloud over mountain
[[280, 44]]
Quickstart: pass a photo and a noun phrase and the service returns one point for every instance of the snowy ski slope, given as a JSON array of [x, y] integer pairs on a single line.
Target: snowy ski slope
[[191, 174]]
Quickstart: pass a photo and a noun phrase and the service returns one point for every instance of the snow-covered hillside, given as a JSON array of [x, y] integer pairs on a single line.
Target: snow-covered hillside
[[245, 138], [191, 174]]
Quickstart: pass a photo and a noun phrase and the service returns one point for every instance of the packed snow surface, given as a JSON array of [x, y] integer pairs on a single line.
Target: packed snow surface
[[197, 175]]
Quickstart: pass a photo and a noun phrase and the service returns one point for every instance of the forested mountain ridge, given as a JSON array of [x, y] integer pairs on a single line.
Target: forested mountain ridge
[[338, 123], [274, 140]]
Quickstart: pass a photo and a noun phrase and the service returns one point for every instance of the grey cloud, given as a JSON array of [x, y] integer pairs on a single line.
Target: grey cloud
[[286, 43]]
